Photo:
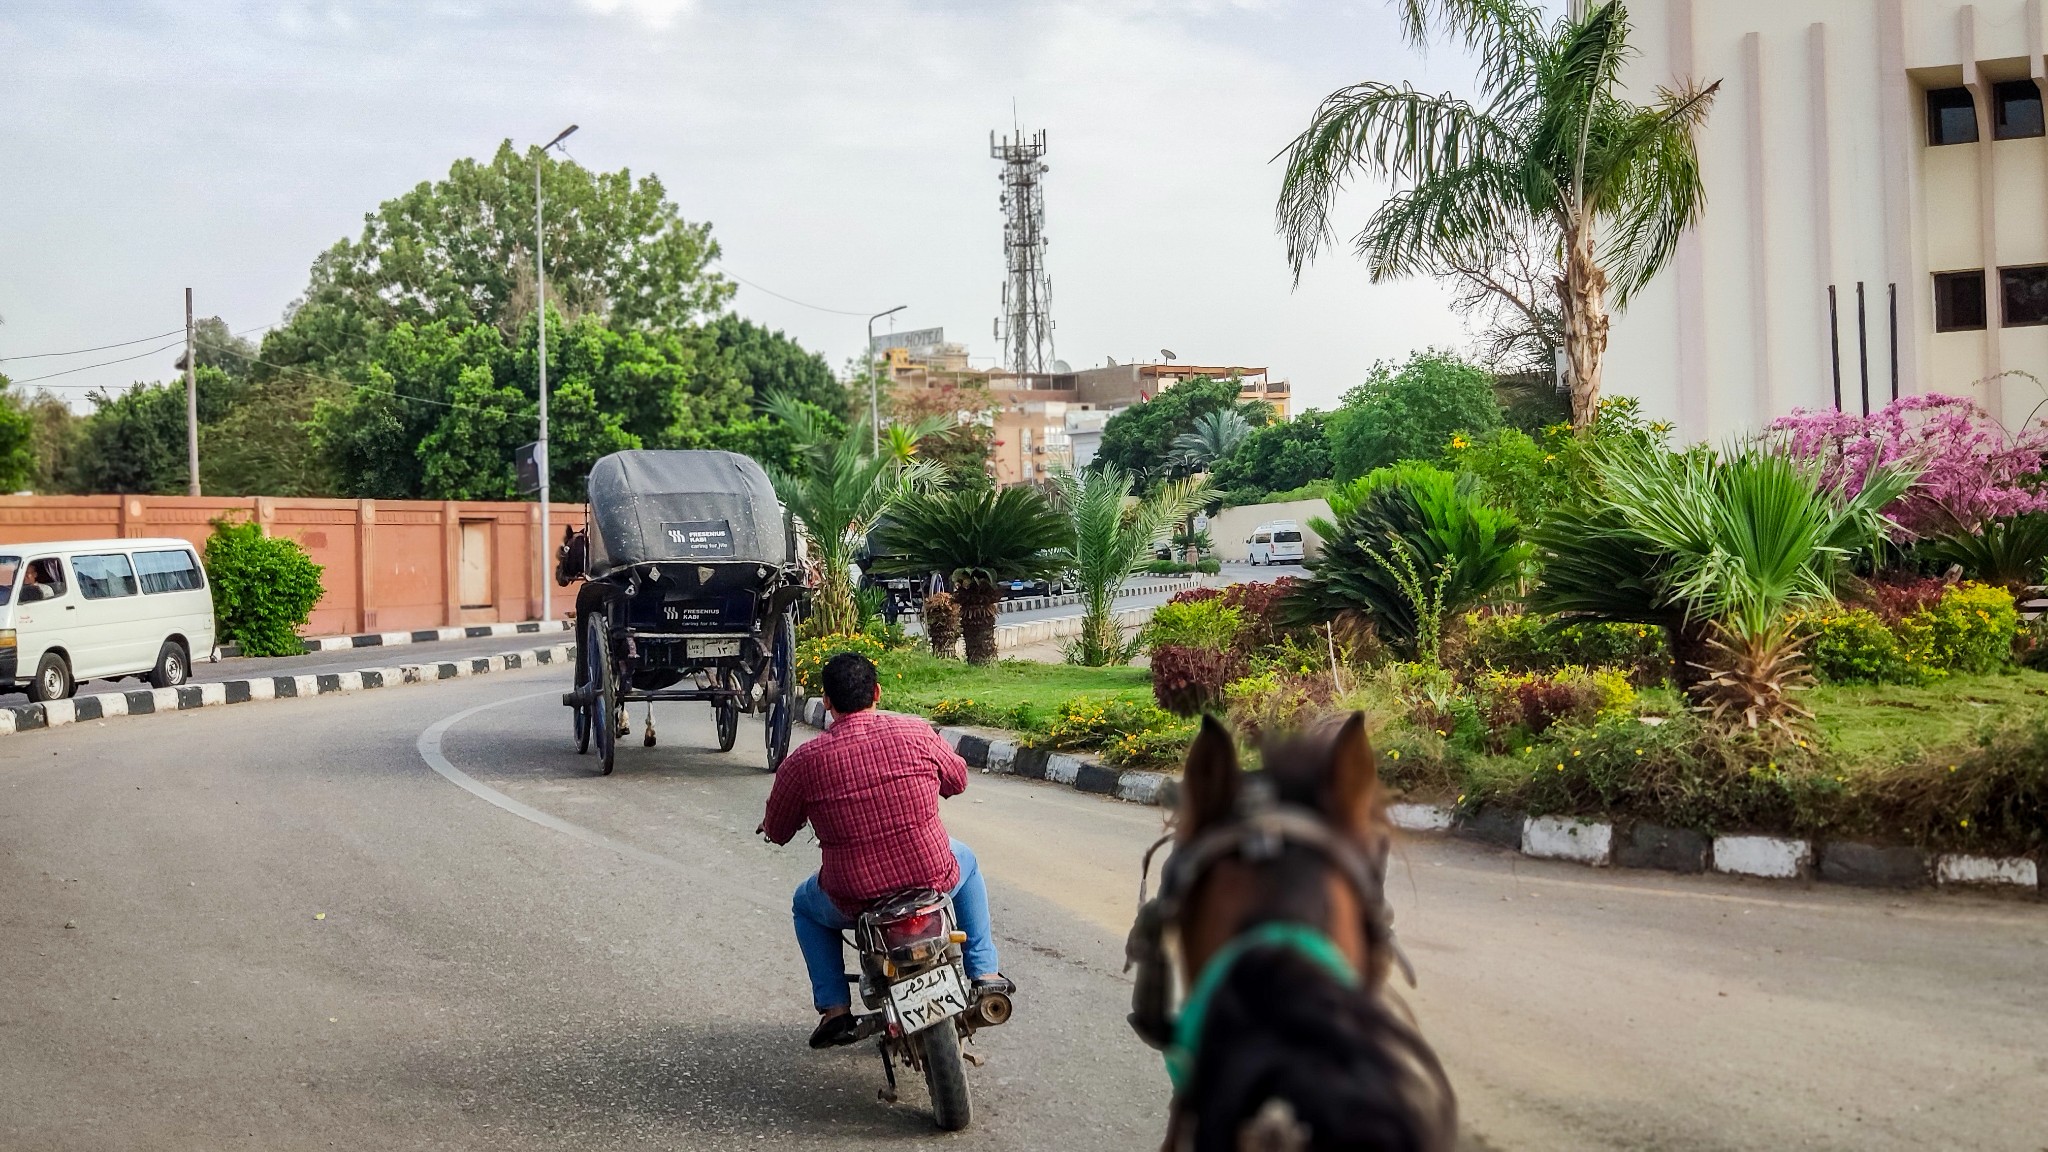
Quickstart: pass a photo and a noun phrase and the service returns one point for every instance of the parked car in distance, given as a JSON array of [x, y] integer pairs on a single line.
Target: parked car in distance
[[77, 610], [1275, 542]]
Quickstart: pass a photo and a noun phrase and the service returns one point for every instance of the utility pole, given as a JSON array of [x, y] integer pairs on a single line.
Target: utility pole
[[540, 452], [191, 403], [874, 387]]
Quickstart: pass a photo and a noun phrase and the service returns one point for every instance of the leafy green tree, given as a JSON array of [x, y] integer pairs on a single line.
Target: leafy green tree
[[769, 363], [17, 441], [461, 250], [54, 435], [1555, 151], [1410, 413], [135, 441], [1277, 458], [1140, 439], [264, 444]]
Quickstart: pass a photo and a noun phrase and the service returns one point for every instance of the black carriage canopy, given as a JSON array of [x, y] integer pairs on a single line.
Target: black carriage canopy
[[647, 507]]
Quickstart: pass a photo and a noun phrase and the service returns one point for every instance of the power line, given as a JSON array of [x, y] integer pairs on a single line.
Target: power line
[[178, 343], [791, 299], [100, 348]]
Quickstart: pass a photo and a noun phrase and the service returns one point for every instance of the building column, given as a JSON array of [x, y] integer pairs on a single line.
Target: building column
[[1762, 394], [1991, 391], [1902, 147], [1823, 187], [1689, 266]]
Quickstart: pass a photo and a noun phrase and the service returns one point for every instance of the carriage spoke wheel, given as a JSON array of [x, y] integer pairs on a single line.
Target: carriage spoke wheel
[[580, 713], [782, 705], [604, 701], [727, 713]]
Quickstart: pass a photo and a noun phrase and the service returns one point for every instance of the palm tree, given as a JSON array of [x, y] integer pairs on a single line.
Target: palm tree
[[1555, 150], [836, 495], [979, 536], [1214, 437], [1109, 537]]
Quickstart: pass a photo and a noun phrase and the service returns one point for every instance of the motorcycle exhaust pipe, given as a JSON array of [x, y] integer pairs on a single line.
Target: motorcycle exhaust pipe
[[992, 1008]]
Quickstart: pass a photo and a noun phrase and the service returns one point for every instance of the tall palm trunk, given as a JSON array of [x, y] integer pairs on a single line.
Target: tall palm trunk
[[835, 611], [978, 620], [1584, 292], [1101, 640]]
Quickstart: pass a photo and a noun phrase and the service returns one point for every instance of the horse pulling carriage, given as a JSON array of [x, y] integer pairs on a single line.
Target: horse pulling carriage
[[691, 591]]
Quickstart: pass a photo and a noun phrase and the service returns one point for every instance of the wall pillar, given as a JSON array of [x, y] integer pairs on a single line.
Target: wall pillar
[[451, 563], [1695, 413], [1902, 147], [366, 532], [1823, 182], [1763, 395]]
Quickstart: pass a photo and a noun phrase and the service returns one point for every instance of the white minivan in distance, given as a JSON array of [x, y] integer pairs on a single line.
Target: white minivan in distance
[[79, 610], [1275, 542]]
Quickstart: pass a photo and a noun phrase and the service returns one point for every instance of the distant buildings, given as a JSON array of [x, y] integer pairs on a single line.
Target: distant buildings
[[1045, 420]]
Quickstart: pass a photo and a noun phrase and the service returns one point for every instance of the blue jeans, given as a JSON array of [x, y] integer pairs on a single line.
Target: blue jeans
[[819, 923]]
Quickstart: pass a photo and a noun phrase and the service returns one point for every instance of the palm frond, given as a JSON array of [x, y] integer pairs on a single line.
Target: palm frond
[[1652, 187], [1455, 219], [1503, 35]]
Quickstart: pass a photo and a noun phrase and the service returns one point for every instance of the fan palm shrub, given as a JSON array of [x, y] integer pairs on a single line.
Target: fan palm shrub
[[1728, 544], [837, 493], [979, 536], [1407, 546], [2011, 552], [1109, 538], [1555, 152]]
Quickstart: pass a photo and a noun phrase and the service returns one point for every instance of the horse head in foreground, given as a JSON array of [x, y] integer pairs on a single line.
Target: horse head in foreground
[[1273, 910]]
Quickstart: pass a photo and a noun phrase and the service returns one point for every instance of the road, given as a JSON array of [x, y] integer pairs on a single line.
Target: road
[[292, 931]]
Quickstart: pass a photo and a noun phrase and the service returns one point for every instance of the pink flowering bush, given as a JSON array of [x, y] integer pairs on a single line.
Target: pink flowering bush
[[1974, 470]]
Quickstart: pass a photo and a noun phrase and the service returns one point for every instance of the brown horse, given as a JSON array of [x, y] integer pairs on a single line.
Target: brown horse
[[1287, 1037]]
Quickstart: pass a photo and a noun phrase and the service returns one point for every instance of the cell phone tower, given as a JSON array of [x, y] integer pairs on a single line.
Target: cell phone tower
[[1025, 327]]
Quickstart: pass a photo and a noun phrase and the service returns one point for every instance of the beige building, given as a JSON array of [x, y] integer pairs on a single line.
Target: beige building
[[1877, 217]]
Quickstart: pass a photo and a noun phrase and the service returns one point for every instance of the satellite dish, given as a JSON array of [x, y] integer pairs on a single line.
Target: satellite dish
[[1062, 367], [1168, 353], [1112, 361]]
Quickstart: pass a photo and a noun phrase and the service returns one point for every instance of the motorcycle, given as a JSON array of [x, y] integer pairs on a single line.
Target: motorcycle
[[920, 1002]]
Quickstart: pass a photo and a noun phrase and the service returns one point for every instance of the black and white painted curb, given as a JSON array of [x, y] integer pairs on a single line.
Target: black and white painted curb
[[1598, 844], [1601, 844], [1135, 588], [1008, 757], [146, 701], [421, 636]]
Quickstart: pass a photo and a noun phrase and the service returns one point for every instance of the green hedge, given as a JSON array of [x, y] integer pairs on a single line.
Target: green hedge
[[264, 588]]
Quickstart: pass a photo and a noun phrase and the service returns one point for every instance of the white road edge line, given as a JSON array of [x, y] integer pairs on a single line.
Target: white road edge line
[[430, 751]]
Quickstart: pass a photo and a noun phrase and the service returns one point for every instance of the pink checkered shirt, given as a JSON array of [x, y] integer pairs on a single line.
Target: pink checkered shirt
[[870, 787]]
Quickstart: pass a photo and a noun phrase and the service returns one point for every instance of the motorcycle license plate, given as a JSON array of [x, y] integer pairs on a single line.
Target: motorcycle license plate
[[708, 648], [929, 997]]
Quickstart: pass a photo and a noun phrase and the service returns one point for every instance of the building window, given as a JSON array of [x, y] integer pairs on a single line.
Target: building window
[[1951, 116], [2016, 110], [1959, 301], [2024, 292]]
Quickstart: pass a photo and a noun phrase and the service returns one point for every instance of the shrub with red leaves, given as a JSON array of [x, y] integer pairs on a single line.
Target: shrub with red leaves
[[1894, 601], [1543, 702], [1194, 595], [1190, 681]]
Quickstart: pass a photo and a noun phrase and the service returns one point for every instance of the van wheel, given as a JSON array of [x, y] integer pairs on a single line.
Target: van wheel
[[53, 679], [172, 666]]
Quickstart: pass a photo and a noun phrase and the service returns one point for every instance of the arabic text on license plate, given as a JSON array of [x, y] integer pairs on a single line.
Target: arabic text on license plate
[[708, 648], [929, 997]]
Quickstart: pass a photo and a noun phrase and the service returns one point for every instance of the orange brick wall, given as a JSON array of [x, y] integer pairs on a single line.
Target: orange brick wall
[[389, 565]]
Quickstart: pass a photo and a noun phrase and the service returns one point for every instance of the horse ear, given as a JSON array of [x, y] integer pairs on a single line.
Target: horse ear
[[1354, 783], [1208, 787]]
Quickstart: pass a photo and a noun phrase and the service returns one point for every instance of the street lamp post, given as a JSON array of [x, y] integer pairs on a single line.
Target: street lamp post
[[540, 452], [874, 388]]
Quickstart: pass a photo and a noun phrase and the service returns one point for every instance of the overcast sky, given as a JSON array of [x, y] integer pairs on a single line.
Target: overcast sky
[[839, 150]]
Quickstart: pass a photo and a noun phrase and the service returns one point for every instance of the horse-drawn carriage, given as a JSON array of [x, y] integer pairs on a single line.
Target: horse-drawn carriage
[[691, 592]]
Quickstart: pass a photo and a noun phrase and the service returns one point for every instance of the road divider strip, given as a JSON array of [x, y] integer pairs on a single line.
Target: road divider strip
[[148, 701], [1594, 843], [315, 644]]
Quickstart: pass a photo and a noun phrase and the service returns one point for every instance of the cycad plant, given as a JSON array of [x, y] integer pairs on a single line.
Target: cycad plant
[[1109, 537], [837, 493], [1407, 545], [1554, 152], [979, 536], [1735, 541]]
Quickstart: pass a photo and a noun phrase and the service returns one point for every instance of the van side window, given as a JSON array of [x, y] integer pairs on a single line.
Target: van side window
[[104, 576], [46, 576], [171, 570]]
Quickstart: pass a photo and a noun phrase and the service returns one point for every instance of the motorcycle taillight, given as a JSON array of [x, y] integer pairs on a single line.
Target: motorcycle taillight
[[913, 929]]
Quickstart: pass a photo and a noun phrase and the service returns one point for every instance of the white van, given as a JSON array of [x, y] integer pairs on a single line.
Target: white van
[[98, 609], [1275, 542]]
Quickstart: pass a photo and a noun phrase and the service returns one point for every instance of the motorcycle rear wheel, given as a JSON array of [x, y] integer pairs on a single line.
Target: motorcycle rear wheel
[[945, 1074]]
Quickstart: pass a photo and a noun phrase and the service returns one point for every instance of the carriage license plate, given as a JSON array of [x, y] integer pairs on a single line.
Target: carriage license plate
[[929, 997], [705, 649]]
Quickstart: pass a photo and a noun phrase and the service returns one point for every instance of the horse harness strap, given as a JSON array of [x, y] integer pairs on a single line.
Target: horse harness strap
[[1312, 944], [1263, 828]]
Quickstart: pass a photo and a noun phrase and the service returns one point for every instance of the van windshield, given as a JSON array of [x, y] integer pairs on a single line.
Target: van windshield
[[1286, 537], [10, 567]]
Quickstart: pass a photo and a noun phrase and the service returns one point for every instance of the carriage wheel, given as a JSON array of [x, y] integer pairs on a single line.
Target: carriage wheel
[[580, 713], [728, 715], [782, 708], [604, 701]]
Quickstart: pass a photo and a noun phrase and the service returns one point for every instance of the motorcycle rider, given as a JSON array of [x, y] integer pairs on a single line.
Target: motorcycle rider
[[870, 788]]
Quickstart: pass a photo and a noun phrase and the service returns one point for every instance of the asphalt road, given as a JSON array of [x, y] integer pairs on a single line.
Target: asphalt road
[[292, 930]]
